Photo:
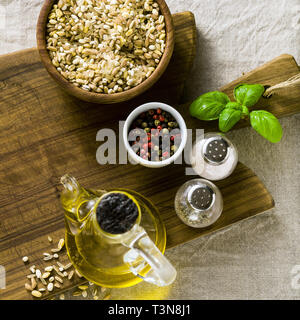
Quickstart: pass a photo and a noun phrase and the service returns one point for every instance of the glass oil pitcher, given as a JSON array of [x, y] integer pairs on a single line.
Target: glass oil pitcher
[[114, 238]]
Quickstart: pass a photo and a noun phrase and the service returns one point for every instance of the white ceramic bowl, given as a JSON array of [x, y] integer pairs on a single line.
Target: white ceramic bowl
[[143, 108]]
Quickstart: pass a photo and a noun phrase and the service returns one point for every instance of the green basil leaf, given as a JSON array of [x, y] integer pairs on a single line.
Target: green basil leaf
[[228, 118], [245, 112], [248, 94], [234, 105], [266, 124], [209, 105]]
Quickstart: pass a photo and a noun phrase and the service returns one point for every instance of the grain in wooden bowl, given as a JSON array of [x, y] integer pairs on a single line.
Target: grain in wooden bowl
[[105, 51]]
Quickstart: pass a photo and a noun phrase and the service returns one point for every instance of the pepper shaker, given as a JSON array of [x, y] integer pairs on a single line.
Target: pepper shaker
[[214, 157], [198, 203]]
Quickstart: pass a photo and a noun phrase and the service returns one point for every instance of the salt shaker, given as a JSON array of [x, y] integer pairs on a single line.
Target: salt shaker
[[198, 203], [214, 157]]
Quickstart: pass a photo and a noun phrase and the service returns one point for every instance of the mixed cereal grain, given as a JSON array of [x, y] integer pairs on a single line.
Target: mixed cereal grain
[[106, 46]]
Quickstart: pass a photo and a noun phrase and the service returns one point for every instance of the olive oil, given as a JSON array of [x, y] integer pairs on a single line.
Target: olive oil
[[97, 255]]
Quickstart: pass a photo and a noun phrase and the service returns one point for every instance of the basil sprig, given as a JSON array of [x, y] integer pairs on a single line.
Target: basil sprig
[[217, 105]]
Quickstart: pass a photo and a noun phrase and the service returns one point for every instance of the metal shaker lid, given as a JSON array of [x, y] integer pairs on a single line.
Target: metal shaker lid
[[215, 149], [202, 197]]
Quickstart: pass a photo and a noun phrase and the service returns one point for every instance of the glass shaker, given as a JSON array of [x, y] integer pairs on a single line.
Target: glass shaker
[[198, 203], [214, 157]]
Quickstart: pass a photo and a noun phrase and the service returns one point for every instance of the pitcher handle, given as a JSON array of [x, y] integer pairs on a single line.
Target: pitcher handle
[[162, 272]]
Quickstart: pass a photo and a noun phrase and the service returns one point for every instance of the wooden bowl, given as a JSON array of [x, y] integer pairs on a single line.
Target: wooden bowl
[[100, 97]]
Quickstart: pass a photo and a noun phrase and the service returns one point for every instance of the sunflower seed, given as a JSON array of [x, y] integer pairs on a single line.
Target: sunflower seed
[[70, 276], [33, 283], [38, 273], [49, 269], [50, 287], [84, 294], [83, 287], [45, 275], [57, 278], [50, 257], [32, 269], [78, 273], [28, 287], [67, 266], [36, 293], [61, 243], [25, 259]]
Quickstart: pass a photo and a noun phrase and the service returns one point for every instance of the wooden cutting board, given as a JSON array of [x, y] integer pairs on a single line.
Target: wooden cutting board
[[45, 133]]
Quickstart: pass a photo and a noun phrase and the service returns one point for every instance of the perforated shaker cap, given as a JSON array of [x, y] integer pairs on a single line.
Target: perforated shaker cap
[[215, 149], [202, 197]]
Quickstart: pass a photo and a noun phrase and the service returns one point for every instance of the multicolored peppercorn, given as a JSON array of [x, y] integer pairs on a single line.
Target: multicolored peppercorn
[[155, 135]]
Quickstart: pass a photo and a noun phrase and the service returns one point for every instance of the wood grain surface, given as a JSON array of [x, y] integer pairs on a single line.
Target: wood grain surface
[[96, 97], [46, 133]]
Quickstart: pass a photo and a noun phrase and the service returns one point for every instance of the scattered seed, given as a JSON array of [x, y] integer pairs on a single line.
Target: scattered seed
[[55, 256], [61, 243], [28, 287], [33, 283], [31, 276], [38, 273], [50, 287], [57, 271], [95, 297], [50, 239], [60, 264], [25, 259], [36, 293], [103, 289], [84, 293], [78, 273], [55, 250], [69, 265], [57, 278], [49, 269], [71, 275], [65, 274], [50, 257], [42, 289], [83, 287], [95, 292], [46, 275], [51, 279], [62, 297], [57, 285], [46, 254], [43, 281], [76, 293], [32, 269]]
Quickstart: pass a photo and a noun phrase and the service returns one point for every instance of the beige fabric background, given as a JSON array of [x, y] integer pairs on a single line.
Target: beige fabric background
[[255, 258]]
